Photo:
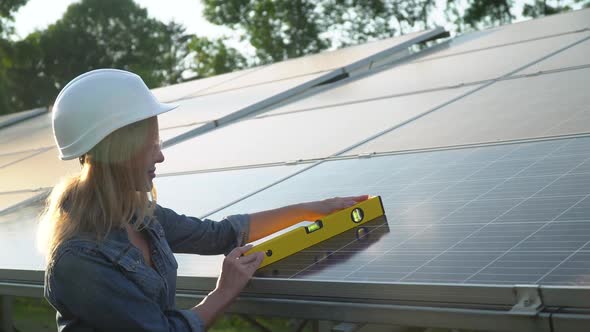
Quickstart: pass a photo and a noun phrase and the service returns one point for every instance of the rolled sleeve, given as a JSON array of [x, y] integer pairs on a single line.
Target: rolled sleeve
[[241, 226], [206, 237], [81, 286]]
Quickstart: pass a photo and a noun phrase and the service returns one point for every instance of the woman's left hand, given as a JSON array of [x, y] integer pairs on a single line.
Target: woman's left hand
[[318, 209]]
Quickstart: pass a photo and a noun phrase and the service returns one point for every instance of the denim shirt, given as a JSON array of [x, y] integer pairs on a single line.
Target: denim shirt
[[107, 285]]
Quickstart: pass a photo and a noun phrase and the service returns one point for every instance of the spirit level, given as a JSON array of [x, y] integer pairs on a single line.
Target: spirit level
[[303, 237]]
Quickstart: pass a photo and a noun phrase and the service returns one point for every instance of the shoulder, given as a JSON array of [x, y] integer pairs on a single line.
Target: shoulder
[[86, 255], [73, 255], [162, 214]]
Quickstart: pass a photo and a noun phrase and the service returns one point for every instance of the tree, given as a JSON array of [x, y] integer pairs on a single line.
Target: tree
[[7, 9], [542, 8], [286, 29], [213, 57], [29, 85], [479, 14], [111, 33], [105, 34], [281, 29]]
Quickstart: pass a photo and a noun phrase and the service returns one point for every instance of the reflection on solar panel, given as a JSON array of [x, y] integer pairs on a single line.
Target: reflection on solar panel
[[30, 134], [214, 106], [11, 158], [18, 238], [43, 169], [515, 213], [175, 92], [10, 199], [302, 135], [200, 193]]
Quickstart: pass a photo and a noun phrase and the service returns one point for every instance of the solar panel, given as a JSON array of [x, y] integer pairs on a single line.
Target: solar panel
[[42, 170], [502, 214], [10, 119], [30, 134], [296, 136], [10, 199], [571, 22], [18, 238], [575, 56], [11, 158], [522, 108], [316, 63], [172, 132], [200, 193], [175, 92], [214, 106], [437, 73]]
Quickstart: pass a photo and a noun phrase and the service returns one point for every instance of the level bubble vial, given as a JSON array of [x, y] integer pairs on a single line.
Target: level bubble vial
[[357, 215]]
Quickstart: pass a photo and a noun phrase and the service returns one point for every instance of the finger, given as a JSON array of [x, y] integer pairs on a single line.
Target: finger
[[239, 251], [252, 267], [358, 198], [350, 203], [250, 258]]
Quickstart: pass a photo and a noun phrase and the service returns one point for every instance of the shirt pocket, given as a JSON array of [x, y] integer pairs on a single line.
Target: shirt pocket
[[135, 269]]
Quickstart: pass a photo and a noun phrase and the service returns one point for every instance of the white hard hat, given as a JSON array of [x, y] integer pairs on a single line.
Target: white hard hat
[[95, 104]]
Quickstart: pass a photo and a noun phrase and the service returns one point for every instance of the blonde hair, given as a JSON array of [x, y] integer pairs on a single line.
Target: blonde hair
[[109, 191]]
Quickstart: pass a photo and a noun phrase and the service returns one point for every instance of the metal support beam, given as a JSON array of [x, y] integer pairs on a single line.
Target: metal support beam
[[6, 321]]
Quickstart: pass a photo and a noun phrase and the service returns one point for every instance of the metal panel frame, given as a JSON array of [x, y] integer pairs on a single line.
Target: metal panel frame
[[22, 117], [485, 307]]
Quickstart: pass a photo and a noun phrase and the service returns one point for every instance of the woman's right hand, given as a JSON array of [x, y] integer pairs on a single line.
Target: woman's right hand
[[237, 270], [235, 274]]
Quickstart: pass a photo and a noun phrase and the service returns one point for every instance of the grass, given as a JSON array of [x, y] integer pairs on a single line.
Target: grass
[[36, 315]]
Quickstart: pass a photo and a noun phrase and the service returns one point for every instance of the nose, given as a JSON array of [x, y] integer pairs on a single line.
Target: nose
[[160, 157]]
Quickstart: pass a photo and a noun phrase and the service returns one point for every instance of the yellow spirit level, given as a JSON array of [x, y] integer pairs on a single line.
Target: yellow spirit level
[[303, 237]]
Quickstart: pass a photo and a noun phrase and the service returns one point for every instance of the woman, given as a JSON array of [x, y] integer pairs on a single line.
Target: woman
[[109, 245]]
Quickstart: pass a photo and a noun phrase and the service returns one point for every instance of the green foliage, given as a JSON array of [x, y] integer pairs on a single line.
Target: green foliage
[[103, 34], [7, 8], [27, 80], [543, 8], [37, 315], [285, 29], [479, 14], [110, 33], [281, 29], [32, 314], [213, 57], [489, 13]]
